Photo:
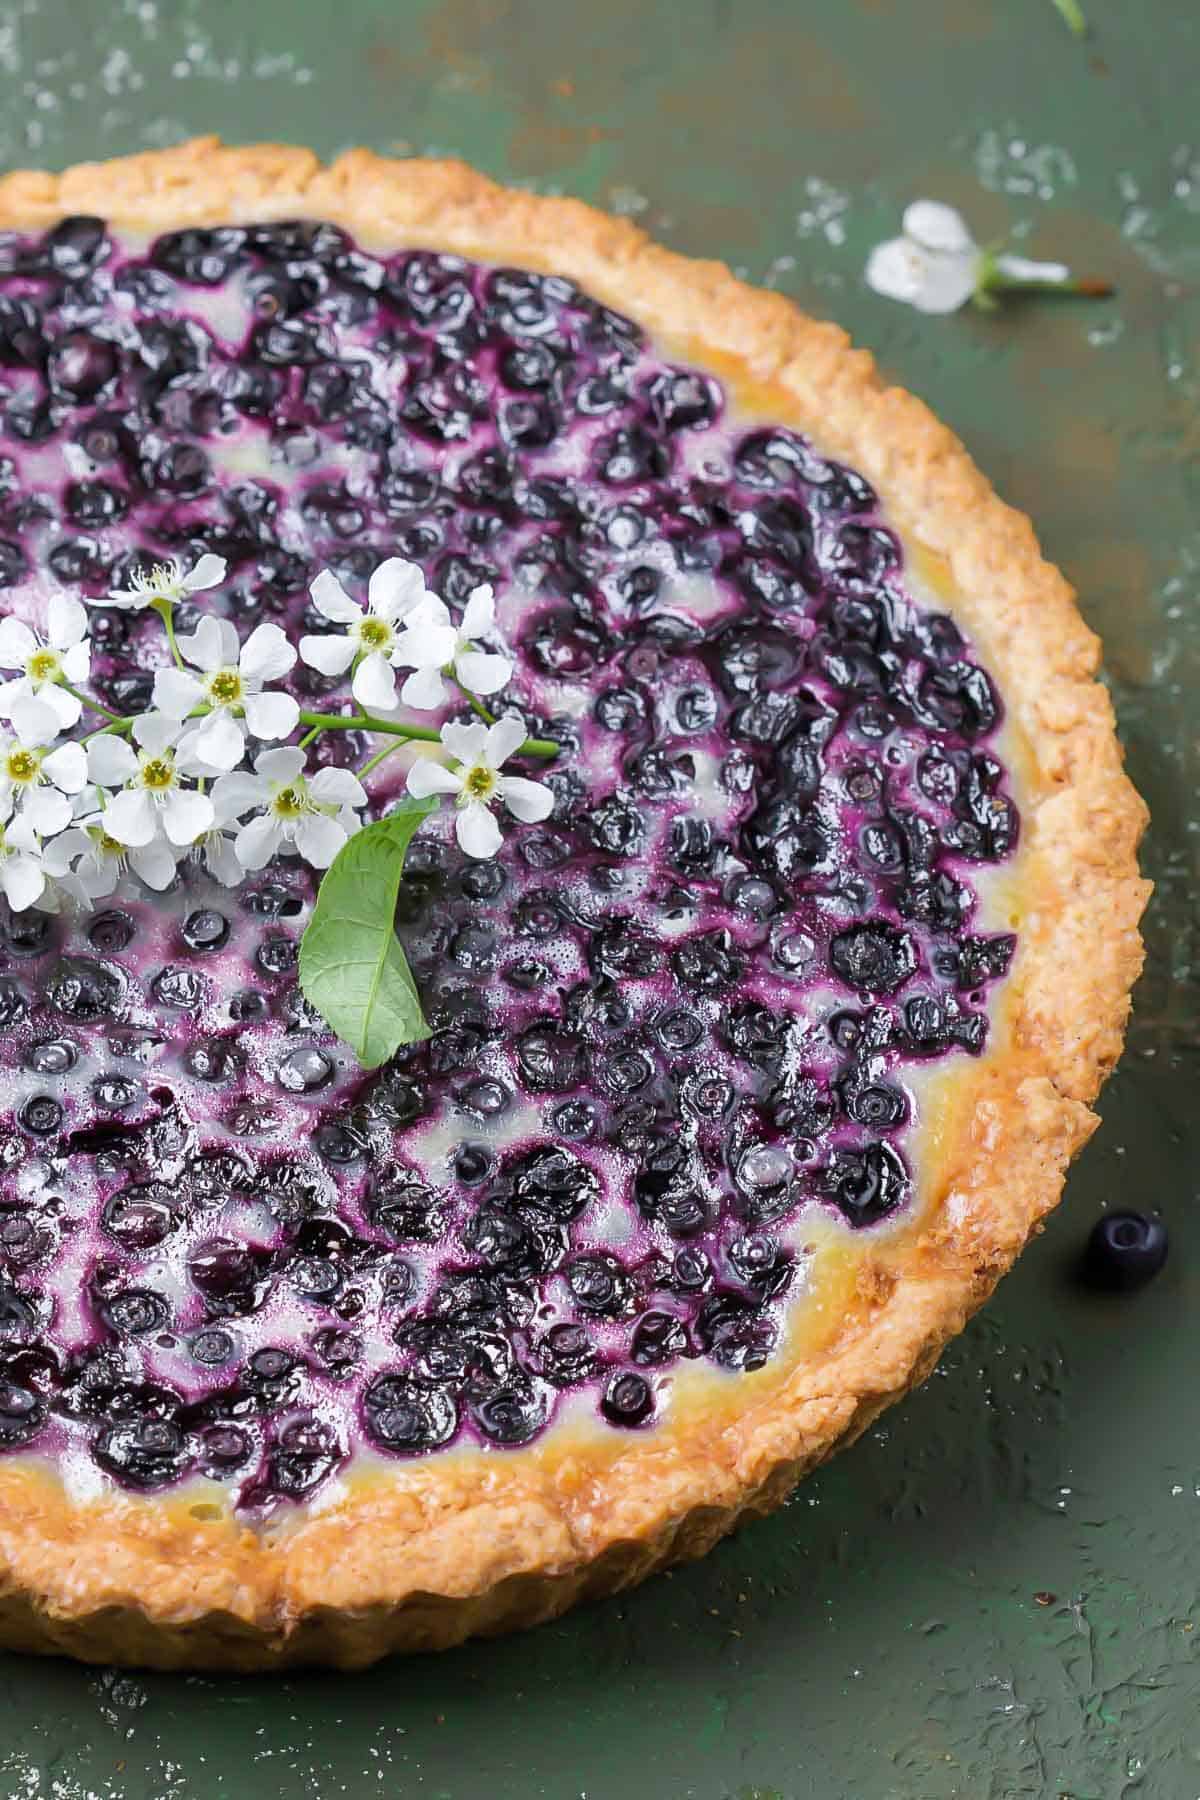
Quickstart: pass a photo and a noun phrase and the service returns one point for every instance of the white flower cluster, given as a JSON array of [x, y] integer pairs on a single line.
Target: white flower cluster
[[189, 778]]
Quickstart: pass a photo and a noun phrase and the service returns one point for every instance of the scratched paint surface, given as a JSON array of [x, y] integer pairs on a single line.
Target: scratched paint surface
[[995, 1594]]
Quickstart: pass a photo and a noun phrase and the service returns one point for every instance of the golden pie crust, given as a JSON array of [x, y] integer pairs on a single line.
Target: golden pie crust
[[425, 1553]]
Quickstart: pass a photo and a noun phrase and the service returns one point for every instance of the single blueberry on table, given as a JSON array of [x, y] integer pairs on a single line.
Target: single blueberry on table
[[1124, 1251]]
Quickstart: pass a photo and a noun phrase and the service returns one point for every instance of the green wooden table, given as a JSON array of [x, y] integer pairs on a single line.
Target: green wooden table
[[995, 1594]]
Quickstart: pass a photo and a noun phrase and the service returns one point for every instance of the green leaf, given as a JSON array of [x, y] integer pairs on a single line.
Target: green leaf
[[352, 968]]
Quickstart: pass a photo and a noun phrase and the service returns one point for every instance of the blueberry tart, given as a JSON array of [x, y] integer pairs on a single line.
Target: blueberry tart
[[752, 1049]]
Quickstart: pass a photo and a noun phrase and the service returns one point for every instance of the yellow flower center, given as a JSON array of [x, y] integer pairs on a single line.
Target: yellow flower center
[[23, 765], [109, 845], [374, 634], [225, 687], [289, 802], [479, 783], [162, 581], [158, 773], [43, 665]]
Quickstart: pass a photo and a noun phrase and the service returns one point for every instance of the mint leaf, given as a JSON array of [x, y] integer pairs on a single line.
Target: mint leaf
[[352, 968]]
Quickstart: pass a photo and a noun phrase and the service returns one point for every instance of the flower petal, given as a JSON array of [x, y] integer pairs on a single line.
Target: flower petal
[[233, 795], [65, 707], [129, 817], [34, 723], [176, 692], [395, 588], [46, 810], [429, 777], [154, 864], [529, 800], [266, 655], [271, 715], [1022, 268], [76, 662], [332, 601], [477, 831], [337, 787], [66, 621], [318, 839], [479, 614], [424, 689], [67, 767], [209, 572], [17, 643], [935, 226], [374, 684], [221, 859], [482, 673], [111, 762], [331, 655], [257, 842], [901, 270], [219, 741], [280, 766], [68, 844], [12, 693], [465, 742], [425, 645], [186, 814], [505, 736], [155, 732], [213, 644], [22, 881]]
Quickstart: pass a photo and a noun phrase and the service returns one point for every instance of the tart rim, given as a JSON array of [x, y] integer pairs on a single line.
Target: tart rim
[[450, 1547]]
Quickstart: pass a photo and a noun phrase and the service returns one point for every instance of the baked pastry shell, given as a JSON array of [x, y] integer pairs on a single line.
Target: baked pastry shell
[[425, 1553]]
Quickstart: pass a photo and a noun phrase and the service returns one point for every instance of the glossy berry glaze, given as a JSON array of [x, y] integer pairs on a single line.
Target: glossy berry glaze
[[672, 1027]]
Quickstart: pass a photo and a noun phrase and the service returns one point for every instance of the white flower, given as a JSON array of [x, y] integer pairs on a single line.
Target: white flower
[[316, 815], [89, 862], [430, 643], [934, 266], [22, 878], [153, 801], [165, 584], [480, 751], [370, 637], [231, 682], [37, 777], [217, 847], [61, 654], [937, 266]]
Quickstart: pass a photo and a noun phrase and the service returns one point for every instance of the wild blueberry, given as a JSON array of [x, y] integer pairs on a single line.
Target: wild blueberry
[[135, 1311], [402, 1413], [508, 1414], [304, 1070], [1124, 1251], [658, 1337], [205, 929], [566, 1354], [144, 1453], [628, 1399]]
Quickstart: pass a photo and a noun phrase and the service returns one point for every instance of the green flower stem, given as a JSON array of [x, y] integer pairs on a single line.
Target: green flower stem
[[117, 728], [91, 705], [423, 734], [164, 610], [993, 279], [473, 700], [378, 757], [1071, 13]]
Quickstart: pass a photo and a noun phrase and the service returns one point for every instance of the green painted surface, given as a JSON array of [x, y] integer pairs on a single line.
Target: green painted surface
[[880, 1638]]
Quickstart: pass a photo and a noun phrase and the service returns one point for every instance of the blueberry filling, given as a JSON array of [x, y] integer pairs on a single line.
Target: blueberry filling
[[667, 1024]]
